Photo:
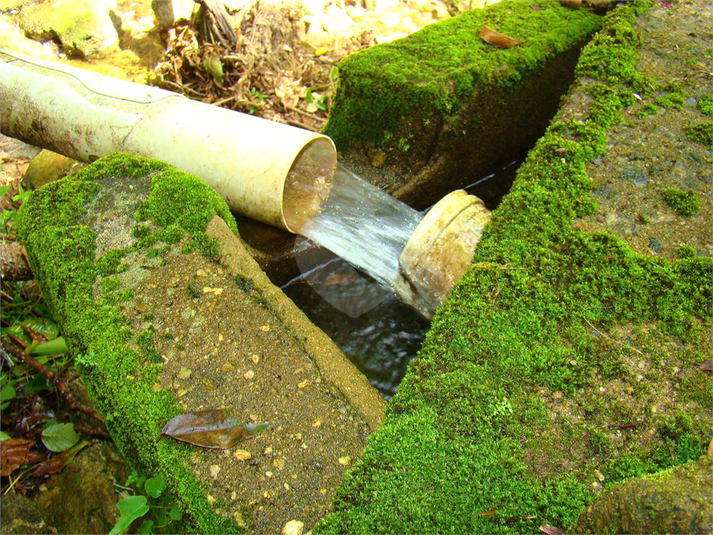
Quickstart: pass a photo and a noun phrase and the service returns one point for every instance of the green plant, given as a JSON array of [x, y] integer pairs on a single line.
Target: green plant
[[151, 504], [320, 101], [258, 98], [7, 218]]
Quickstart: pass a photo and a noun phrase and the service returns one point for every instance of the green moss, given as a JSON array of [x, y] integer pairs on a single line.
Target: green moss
[[110, 262], [686, 251], [193, 291], [501, 423], [672, 100], [700, 132], [684, 202], [145, 341], [109, 284], [61, 251], [646, 109], [435, 69], [705, 104]]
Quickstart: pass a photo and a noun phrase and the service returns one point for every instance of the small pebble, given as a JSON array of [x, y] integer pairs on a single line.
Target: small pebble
[[268, 474], [227, 367], [293, 527], [242, 455], [268, 450], [184, 373], [214, 470], [278, 463], [655, 245], [249, 374], [210, 499], [344, 461]]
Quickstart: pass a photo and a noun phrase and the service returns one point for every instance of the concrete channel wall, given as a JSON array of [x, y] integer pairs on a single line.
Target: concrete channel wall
[[565, 361]]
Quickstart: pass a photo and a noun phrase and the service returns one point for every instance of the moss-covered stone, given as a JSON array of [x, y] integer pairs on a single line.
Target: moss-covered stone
[[442, 105], [62, 249], [679, 500], [560, 364], [168, 331]]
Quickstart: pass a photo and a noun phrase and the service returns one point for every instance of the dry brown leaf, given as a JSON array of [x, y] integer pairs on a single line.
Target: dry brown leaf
[[209, 429], [14, 452], [494, 38], [707, 366], [571, 3], [551, 530]]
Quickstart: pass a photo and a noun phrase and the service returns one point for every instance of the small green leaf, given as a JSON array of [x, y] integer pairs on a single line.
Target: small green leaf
[[3, 189], [175, 513], [5, 436], [58, 345], [60, 437], [36, 384], [44, 326], [145, 528], [7, 393], [131, 508], [155, 486]]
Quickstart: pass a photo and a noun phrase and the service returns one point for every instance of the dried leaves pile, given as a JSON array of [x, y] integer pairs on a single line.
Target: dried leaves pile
[[268, 71]]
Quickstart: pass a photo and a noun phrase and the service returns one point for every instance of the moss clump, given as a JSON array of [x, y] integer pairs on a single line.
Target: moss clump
[[672, 100], [436, 69], [646, 110], [526, 391], [61, 250], [700, 132], [684, 202], [705, 104]]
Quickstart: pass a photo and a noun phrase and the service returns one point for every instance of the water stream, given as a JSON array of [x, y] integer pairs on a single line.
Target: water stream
[[377, 332], [363, 225]]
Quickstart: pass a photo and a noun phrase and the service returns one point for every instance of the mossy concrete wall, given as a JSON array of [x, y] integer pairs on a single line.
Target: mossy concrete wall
[[143, 270], [561, 363], [436, 111]]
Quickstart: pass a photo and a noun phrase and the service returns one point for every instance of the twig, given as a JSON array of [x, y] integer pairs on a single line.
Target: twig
[[60, 383], [612, 340], [95, 432], [307, 114], [298, 124]]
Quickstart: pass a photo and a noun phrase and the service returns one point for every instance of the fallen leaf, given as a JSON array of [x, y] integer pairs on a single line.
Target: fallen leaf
[[14, 452], [494, 38], [54, 464], [321, 51], [209, 429], [707, 366], [487, 513], [571, 3], [551, 530], [536, 8]]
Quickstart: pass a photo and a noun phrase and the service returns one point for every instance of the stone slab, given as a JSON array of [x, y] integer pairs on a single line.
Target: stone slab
[[144, 271]]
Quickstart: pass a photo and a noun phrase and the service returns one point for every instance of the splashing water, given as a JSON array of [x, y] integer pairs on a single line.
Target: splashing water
[[363, 225]]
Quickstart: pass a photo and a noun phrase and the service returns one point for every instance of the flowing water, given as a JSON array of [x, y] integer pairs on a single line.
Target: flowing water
[[363, 225], [378, 333]]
